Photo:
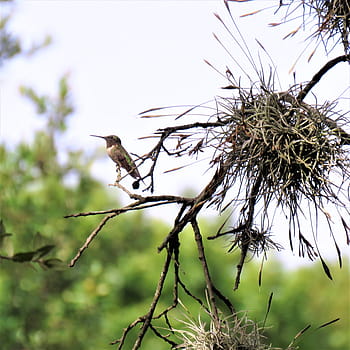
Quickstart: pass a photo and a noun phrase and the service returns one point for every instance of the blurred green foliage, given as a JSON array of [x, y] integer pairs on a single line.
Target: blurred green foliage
[[87, 306], [10, 43]]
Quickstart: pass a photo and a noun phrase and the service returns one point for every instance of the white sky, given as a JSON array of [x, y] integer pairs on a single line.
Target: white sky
[[124, 57]]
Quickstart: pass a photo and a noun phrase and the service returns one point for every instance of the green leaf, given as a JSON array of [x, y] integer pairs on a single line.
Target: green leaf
[[23, 257], [44, 250], [53, 264]]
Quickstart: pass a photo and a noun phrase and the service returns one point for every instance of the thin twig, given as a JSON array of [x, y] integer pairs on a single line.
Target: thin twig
[[147, 318], [317, 77], [175, 247], [245, 241], [137, 205], [161, 336], [208, 281], [91, 237]]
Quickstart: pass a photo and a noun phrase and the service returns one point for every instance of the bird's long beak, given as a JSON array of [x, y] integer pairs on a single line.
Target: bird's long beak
[[101, 137]]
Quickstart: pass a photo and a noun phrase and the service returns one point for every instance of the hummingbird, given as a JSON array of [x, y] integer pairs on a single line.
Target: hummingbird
[[121, 157]]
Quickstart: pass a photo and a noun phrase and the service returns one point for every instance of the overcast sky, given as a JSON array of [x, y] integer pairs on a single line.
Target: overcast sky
[[124, 57]]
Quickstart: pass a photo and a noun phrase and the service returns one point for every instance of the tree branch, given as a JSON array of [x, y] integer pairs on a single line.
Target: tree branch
[[246, 227], [91, 237], [208, 281], [198, 203], [317, 77], [147, 318]]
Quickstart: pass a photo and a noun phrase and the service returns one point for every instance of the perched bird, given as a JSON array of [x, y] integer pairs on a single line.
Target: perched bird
[[121, 157]]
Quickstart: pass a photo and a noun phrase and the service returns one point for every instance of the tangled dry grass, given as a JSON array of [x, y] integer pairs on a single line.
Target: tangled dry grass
[[291, 146], [231, 334], [235, 332]]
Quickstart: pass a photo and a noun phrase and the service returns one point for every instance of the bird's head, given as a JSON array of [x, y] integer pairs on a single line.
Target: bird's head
[[111, 139]]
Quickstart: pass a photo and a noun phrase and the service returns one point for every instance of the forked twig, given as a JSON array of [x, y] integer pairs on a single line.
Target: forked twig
[[147, 318]]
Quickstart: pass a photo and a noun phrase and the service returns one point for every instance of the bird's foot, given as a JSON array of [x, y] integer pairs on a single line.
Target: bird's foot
[[119, 175]]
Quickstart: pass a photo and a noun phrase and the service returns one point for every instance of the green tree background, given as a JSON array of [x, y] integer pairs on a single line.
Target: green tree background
[[87, 306]]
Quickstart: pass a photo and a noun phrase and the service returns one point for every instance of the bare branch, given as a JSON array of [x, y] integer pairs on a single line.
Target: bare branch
[[147, 318], [91, 237], [317, 77], [137, 205], [200, 200], [203, 260]]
